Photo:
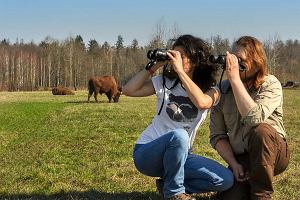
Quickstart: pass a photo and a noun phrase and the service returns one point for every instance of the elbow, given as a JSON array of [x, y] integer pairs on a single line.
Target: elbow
[[255, 117], [203, 104], [253, 121], [218, 139]]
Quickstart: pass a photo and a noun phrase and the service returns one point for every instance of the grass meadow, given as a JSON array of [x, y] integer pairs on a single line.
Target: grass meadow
[[60, 147]]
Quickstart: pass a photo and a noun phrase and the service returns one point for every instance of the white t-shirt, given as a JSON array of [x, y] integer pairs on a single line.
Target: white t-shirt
[[178, 112]]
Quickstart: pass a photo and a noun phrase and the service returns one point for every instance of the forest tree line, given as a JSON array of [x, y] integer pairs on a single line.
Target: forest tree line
[[70, 63]]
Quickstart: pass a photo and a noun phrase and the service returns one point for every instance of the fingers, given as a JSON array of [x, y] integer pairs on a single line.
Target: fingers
[[241, 177], [175, 57], [231, 60], [227, 60], [170, 55], [239, 173], [173, 54]]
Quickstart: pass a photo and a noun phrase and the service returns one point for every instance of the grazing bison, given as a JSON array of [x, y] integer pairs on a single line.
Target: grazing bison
[[60, 90], [104, 84]]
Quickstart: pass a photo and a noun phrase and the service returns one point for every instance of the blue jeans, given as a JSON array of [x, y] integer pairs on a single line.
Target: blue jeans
[[168, 157]]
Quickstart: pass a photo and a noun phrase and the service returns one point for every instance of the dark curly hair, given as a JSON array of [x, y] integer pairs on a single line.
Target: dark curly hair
[[198, 51]]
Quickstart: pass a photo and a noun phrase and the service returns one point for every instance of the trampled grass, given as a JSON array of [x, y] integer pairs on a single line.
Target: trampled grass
[[60, 147]]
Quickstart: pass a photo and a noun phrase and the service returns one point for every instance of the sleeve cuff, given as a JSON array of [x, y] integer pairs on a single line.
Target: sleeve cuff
[[215, 140]]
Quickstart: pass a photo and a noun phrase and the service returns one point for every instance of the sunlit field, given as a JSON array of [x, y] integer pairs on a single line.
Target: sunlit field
[[60, 147]]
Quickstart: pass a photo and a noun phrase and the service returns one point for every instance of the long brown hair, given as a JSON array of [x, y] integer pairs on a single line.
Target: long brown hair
[[198, 51], [256, 56]]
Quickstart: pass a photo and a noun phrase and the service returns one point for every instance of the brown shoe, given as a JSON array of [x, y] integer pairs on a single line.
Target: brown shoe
[[182, 196]]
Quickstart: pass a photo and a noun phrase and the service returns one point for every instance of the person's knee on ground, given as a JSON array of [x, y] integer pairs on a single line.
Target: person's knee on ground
[[226, 183], [263, 150]]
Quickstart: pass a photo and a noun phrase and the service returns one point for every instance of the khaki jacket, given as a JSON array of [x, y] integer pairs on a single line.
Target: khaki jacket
[[226, 121]]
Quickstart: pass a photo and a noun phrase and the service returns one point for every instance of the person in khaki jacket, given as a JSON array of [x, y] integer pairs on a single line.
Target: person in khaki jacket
[[247, 126]]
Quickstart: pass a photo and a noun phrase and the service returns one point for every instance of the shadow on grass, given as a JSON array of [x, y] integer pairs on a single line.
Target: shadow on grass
[[88, 195], [85, 101], [93, 195]]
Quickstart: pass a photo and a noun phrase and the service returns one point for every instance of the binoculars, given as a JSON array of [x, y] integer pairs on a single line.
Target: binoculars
[[158, 55], [221, 59]]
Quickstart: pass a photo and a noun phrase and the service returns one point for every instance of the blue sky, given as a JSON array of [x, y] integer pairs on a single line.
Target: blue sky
[[104, 20]]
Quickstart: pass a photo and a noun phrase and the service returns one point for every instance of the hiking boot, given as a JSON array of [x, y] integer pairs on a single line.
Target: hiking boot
[[182, 196], [160, 186]]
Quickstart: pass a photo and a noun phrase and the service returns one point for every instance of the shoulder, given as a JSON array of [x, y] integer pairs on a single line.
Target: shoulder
[[224, 86], [163, 80], [157, 78], [216, 95], [271, 81]]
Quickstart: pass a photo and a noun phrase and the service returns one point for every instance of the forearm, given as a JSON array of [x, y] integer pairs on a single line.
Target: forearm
[[243, 100], [199, 99], [225, 151], [139, 85]]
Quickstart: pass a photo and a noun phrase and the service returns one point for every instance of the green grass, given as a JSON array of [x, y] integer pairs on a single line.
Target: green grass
[[60, 147]]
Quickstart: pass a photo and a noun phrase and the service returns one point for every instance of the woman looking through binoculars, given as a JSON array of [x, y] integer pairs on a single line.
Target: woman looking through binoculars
[[164, 149]]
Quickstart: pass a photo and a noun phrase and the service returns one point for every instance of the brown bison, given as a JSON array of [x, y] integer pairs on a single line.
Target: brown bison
[[60, 90], [104, 84]]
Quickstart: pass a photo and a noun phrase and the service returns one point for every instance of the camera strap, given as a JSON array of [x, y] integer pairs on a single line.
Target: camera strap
[[150, 64], [227, 86], [220, 83]]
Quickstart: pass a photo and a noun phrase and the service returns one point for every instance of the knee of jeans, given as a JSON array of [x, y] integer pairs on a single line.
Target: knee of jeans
[[261, 133], [181, 136], [226, 181]]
